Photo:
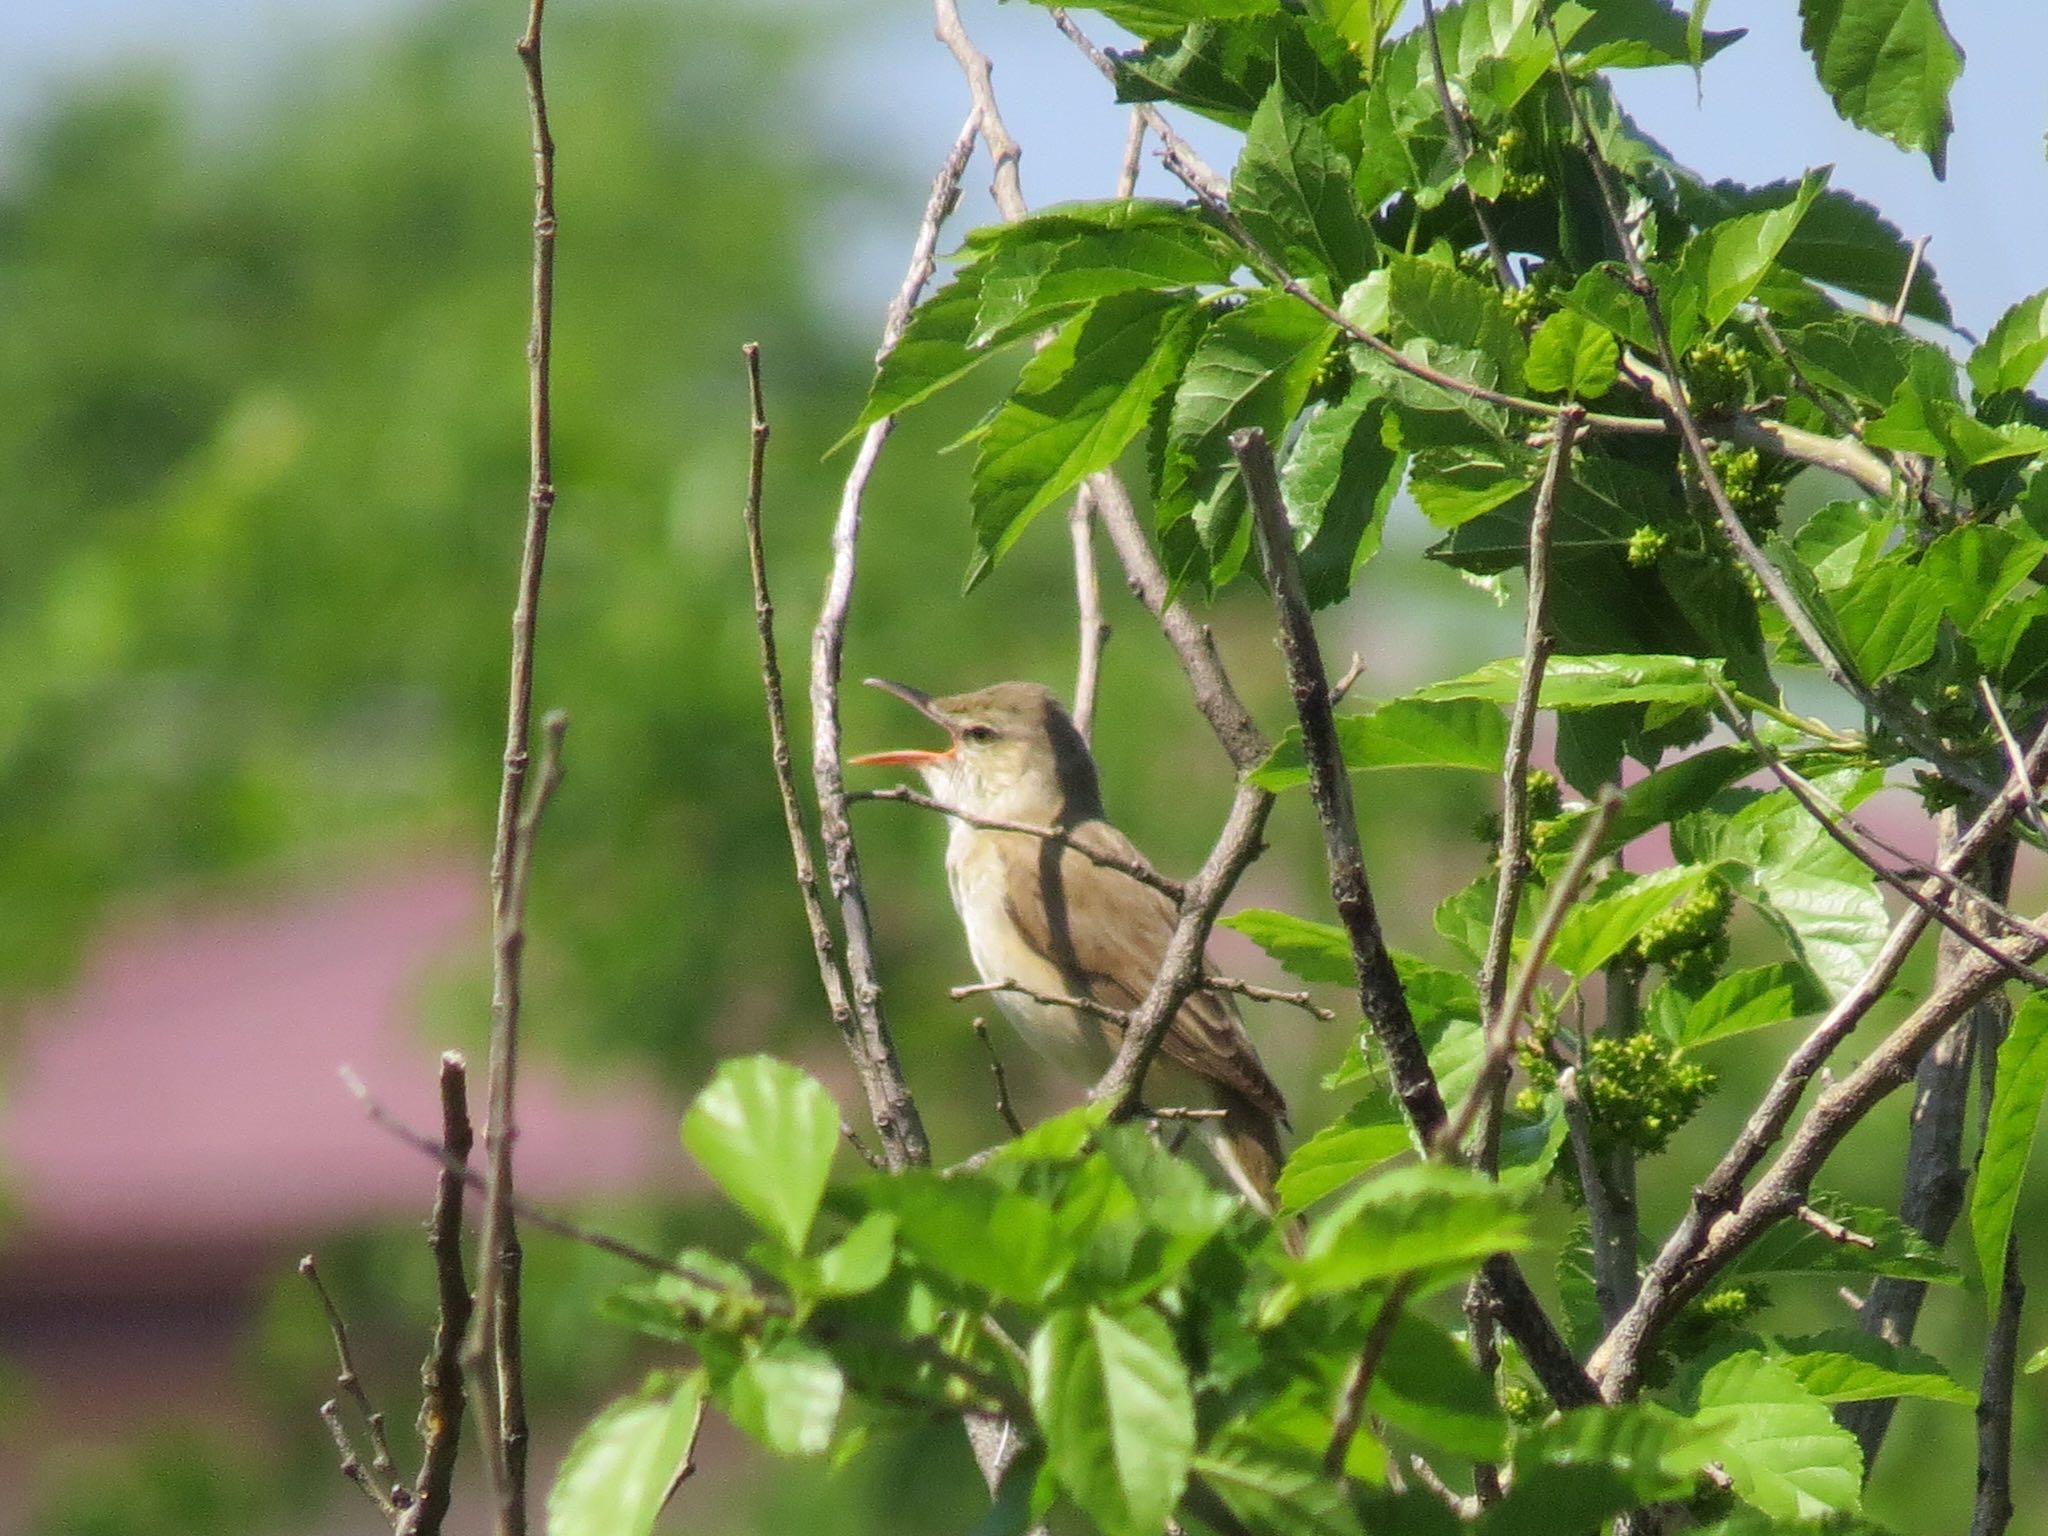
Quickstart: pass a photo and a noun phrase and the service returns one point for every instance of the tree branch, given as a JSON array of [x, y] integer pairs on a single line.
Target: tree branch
[[441, 1397], [1461, 146], [869, 1043], [495, 1325], [1380, 993], [1137, 869], [380, 1480]]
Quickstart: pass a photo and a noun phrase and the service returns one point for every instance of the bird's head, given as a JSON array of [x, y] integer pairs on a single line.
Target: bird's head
[[1013, 753]]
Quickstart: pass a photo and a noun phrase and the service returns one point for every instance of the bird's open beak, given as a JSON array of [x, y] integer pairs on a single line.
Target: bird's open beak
[[909, 757]]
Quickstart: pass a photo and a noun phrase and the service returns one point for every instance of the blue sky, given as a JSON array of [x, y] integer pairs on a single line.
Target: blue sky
[[886, 86]]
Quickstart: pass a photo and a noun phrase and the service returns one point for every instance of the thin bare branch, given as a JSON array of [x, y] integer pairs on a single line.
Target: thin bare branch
[[1611, 1235], [1137, 869], [351, 1464], [381, 1480], [1461, 146], [2015, 754], [1505, 1032], [1512, 860], [1919, 251], [441, 1396], [869, 1043], [1358, 1382], [1007, 186], [1094, 630], [1381, 995], [1002, 1083], [1834, 1231]]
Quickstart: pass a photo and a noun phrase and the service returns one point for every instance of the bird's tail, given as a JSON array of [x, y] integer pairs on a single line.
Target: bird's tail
[[1247, 1145]]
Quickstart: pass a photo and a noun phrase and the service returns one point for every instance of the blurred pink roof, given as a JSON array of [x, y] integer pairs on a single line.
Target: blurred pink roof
[[186, 1094]]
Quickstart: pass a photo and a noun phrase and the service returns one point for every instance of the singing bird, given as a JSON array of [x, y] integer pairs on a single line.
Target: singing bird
[[1047, 917]]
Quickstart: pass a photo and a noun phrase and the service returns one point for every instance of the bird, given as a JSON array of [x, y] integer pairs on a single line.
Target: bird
[[1041, 914]]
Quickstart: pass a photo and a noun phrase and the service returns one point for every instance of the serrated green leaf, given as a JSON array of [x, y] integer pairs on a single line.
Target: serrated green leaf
[[1777, 1442], [1722, 265], [1292, 190], [1432, 301], [1574, 1472], [1312, 951], [1887, 65], [1572, 355], [1112, 1398], [1591, 682], [1337, 483], [1595, 931], [1751, 999], [1843, 242], [1367, 1135], [1252, 367], [860, 1260], [1077, 406], [2012, 354], [1026, 286], [1847, 1365], [785, 1397], [1453, 488], [1462, 734], [1223, 68], [2021, 1083], [624, 1464], [1427, 1388], [1422, 1217], [766, 1133], [1643, 34], [931, 353]]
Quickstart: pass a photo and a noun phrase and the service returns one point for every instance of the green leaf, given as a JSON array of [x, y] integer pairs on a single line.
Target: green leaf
[[1675, 790], [1292, 190], [1454, 486], [1643, 34], [2013, 353], [860, 1260], [1722, 265], [1225, 68], [1161, 18], [1422, 1217], [1572, 355], [1252, 367], [999, 1240], [1427, 1388], [1576, 1471], [1312, 951], [1843, 242], [1026, 280], [1847, 1365], [1368, 1134], [1436, 302], [1112, 1397], [1752, 999], [1338, 480], [1820, 896], [2009, 1138], [1777, 1442], [1794, 1248], [1403, 733], [1887, 621], [2037, 1363], [766, 1132], [1076, 408], [1590, 682], [1887, 65], [623, 1466], [1595, 931], [931, 353], [786, 1397]]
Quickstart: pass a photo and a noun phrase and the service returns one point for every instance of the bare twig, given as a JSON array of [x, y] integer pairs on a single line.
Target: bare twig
[[1348, 681], [1358, 1383], [1137, 869], [1186, 1112], [869, 1042], [1180, 968], [1461, 146], [1381, 996], [1512, 861], [1094, 631], [861, 1149], [1464, 1506], [1834, 1231], [492, 1353], [1898, 309], [351, 1463], [1611, 1238], [1134, 155], [1506, 1031], [2015, 754], [1002, 1083], [381, 1480], [441, 1397], [1259, 994], [1934, 1178]]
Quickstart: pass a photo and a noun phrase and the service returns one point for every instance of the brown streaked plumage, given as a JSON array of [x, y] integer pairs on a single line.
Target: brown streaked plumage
[[1050, 918]]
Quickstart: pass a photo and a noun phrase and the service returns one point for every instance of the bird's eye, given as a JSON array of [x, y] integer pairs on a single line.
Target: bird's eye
[[979, 733]]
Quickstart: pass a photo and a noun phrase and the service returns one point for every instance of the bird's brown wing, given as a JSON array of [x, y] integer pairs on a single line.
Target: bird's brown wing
[[1114, 955]]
